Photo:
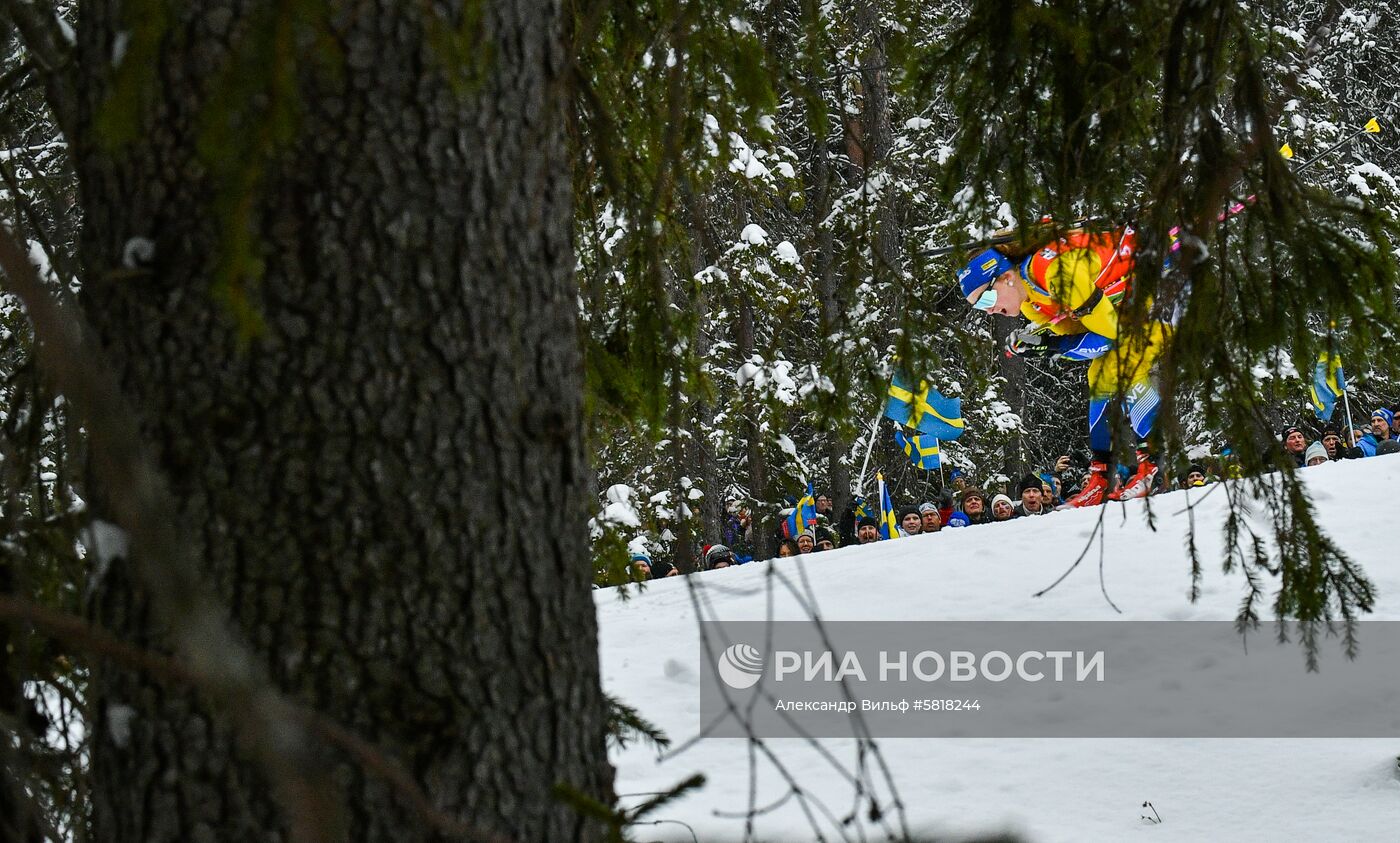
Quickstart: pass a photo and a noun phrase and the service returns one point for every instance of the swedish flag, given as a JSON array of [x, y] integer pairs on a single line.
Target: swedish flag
[[804, 516], [862, 509], [889, 528], [1328, 385], [923, 408], [921, 450]]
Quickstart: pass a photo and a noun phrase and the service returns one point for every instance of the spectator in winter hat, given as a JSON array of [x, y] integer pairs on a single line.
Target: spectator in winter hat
[[1395, 422], [718, 556], [1369, 444], [641, 566], [1295, 443], [1332, 442], [958, 479], [1382, 420], [786, 548], [1315, 455], [826, 539], [974, 506], [910, 524], [806, 542], [1195, 476], [867, 530], [958, 519], [932, 521], [1002, 510], [824, 506], [1032, 497]]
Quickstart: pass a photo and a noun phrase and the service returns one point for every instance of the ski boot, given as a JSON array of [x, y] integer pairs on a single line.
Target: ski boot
[[1140, 484], [1094, 491]]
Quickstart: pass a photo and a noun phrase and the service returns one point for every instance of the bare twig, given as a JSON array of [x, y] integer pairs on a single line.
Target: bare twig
[[1098, 526]]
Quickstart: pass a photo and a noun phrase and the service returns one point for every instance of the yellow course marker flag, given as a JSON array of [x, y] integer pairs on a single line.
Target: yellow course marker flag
[[1373, 127], [1286, 151]]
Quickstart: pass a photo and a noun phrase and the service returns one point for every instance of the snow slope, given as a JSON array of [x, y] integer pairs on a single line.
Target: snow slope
[[1041, 789]]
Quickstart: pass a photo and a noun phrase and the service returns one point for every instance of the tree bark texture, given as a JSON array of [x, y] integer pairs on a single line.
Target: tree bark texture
[[878, 143], [702, 416], [764, 524], [829, 285], [386, 480]]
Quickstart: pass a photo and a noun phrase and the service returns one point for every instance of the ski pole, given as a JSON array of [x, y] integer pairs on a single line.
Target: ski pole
[[1000, 239], [1372, 127]]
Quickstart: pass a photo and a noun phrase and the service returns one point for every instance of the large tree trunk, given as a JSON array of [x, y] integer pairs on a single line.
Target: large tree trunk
[[764, 522], [829, 284], [379, 463], [878, 142], [702, 417]]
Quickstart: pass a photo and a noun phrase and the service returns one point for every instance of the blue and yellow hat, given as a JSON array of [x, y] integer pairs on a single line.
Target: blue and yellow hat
[[982, 270]]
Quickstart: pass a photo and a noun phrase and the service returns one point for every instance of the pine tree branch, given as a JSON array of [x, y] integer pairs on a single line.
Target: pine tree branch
[[39, 32]]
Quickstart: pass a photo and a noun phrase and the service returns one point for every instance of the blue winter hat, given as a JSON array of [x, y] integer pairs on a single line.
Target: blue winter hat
[[982, 270], [1385, 414], [958, 519], [637, 556]]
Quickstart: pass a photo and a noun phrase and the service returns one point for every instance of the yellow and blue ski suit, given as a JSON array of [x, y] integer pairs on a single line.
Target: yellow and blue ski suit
[[1074, 286]]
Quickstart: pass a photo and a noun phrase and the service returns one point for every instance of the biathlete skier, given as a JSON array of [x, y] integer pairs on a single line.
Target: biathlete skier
[[1070, 290]]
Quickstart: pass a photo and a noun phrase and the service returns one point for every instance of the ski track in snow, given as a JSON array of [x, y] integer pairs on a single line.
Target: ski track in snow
[[1043, 789]]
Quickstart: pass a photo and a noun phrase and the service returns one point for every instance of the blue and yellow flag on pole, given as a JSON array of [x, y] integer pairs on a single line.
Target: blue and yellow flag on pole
[[889, 528], [923, 408], [1328, 385], [921, 450], [862, 509], [803, 518]]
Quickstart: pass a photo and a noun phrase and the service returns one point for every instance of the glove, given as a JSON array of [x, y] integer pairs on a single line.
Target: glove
[[1028, 343]]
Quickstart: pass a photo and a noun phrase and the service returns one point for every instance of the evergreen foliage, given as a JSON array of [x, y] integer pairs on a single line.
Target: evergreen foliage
[[756, 186], [1002, 114]]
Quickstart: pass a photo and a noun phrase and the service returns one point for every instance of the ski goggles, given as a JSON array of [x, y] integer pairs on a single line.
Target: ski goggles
[[986, 301]]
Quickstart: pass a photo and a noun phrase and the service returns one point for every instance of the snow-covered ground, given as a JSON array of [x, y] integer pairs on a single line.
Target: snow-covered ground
[[1040, 789]]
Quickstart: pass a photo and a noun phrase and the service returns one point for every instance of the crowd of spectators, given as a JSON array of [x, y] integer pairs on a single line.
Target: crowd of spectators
[[1382, 436], [1037, 494]]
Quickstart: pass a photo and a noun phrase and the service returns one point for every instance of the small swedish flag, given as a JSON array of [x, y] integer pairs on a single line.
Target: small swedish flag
[[889, 528], [921, 450]]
